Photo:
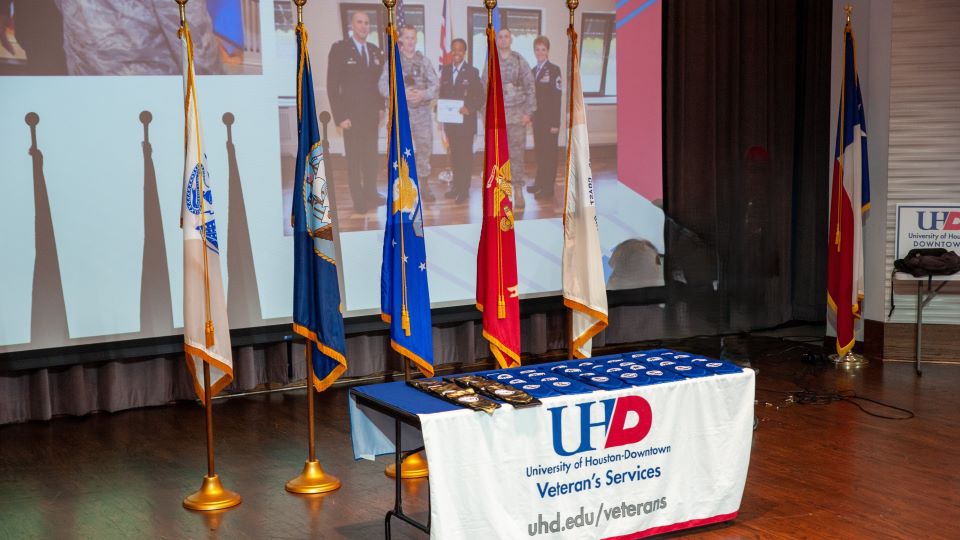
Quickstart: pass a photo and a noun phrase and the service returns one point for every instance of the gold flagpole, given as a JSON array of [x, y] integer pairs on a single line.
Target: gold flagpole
[[572, 6], [211, 495], [851, 360], [517, 193], [413, 465], [313, 479]]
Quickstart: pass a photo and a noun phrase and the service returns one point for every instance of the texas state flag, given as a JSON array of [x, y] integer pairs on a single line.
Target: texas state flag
[[849, 201]]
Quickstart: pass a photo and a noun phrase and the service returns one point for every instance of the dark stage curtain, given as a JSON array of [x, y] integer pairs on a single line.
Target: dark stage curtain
[[746, 151], [118, 385]]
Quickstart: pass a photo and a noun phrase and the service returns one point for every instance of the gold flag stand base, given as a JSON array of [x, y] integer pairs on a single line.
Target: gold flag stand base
[[211, 496], [313, 480], [851, 360], [414, 466]]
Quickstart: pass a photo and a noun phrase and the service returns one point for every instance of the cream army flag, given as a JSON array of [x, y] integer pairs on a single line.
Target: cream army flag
[[206, 332], [584, 288]]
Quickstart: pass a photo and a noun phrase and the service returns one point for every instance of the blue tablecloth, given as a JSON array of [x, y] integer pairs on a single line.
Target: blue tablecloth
[[402, 396]]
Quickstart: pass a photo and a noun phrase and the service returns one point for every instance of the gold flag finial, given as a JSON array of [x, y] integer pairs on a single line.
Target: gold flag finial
[[182, 4], [490, 5], [848, 10], [390, 4], [299, 4], [572, 6]]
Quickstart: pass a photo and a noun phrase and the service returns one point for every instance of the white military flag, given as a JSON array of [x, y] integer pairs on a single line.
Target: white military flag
[[584, 289], [206, 332]]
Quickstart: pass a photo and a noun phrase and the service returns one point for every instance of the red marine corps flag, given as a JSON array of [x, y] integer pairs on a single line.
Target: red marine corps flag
[[849, 201], [497, 256]]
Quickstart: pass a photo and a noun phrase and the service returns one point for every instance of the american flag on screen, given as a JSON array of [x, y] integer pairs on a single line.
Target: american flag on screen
[[398, 11], [445, 37]]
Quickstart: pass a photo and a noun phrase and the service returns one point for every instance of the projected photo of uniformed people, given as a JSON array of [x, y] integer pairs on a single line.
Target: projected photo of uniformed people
[[546, 119], [460, 82], [443, 64], [353, 71]]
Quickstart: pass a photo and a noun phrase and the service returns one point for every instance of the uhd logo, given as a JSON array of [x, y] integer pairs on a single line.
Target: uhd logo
[[938, 221], [626, 420]]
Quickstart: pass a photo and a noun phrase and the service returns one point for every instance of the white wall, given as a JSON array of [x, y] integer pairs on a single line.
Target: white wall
[[924, 129]]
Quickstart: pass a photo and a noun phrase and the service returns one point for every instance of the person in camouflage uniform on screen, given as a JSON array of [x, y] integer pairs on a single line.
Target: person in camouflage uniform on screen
[[519, 104], [421, 84], [135, 37]]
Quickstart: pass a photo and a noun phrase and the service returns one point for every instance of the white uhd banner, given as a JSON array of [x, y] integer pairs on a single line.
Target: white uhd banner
[[927, 226], [625, 463]]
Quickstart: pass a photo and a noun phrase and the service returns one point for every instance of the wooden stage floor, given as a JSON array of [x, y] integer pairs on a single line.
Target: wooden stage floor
[[816, 471]]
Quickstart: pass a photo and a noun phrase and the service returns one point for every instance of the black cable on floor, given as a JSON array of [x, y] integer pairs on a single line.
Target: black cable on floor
[[809, 397], [849, 399]]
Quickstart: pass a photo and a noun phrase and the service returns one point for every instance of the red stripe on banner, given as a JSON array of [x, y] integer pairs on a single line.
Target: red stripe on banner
[[675, 527]]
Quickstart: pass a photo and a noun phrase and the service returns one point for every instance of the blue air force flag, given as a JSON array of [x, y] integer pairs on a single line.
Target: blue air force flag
[[206, 332], [404, 295], [316, 292]]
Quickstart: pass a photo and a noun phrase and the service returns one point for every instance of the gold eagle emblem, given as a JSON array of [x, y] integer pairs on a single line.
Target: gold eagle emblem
[[501, 180], [405, 192]]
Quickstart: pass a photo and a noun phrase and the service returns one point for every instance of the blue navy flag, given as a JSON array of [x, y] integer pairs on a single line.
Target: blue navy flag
[[404, 295], [316, 294]]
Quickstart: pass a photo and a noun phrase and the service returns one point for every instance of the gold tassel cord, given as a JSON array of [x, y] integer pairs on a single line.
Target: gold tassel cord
[[841, 143], [574, 77], [405, 321], [395, 128], [208, 333], [191, 98], [494, 78], [847, 28], [302, 31]]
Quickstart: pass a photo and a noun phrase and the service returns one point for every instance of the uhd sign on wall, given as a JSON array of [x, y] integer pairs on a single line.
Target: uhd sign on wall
[[926, 226]]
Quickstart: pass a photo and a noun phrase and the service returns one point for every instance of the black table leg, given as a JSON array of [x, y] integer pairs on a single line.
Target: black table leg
[[398, 497], [916, 364]]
